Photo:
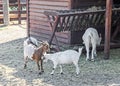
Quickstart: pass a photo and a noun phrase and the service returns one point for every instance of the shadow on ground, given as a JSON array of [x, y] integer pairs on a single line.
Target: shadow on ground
[[98, 73]]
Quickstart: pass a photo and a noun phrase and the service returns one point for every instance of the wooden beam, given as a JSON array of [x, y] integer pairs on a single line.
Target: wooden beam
[[19, 12], [107, 29], [28, 21], [6, 12]]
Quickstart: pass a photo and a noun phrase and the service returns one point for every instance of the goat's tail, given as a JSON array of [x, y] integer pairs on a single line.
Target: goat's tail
[[80, 50]]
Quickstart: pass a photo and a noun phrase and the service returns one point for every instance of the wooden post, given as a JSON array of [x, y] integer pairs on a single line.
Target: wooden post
[[19, 12], [6, 12], [107, 28], [28, 26]]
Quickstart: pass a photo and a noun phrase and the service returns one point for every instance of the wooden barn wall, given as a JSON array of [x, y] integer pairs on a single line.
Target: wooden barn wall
[[1, 11], [1, 5], [87, 3], [38, 24]]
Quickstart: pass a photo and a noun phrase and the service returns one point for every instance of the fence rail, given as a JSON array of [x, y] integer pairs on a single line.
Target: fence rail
[[15, 12]]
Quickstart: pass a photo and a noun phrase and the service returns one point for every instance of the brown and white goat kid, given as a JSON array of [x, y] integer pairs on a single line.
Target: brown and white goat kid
[[35, 53], [91, 38]]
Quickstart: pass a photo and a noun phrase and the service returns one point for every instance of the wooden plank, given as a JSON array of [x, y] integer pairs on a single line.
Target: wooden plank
[[37, 13], [52, 0], [48, 32], [48, 7], [6, 12], [50, 3], [19, 12], [35, 26], [32, 21], [38, 18], [107, 29], [48, 36], [16, 4], [36, 10], [41, 39], [16, 12]]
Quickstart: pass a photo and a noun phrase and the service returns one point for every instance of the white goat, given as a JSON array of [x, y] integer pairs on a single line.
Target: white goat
[[91, 38], [64, 57]]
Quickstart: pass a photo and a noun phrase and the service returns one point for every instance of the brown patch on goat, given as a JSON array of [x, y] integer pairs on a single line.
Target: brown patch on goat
[[37, 56]]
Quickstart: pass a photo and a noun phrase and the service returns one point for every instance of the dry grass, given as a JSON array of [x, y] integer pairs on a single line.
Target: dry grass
[[99, 73]]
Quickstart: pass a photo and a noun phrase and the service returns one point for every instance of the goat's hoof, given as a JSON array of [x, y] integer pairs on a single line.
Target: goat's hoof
[[87, 59], [40, 73], [92, 60], [61, 73], [51, 73], [24, 67]]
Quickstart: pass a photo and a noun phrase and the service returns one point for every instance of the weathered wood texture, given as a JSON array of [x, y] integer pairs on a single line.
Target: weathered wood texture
[[76, 20], [1, 10], [38, 22], [108, 28], [6, 12], [14, 14], [87, 3], [1, 3]]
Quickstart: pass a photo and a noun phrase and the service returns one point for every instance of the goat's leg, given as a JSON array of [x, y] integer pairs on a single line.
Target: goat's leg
[[26, 60], [61, 71], [93, 51], [95, 54], [77, 68], [38, 67], [55, 65], [87, 51], [41, 62]]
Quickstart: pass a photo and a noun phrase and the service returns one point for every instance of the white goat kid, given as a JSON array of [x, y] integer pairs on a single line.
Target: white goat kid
[[91, 38], [64, 57]]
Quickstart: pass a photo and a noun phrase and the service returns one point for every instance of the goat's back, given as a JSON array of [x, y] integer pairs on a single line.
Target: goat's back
[[65, 57], [90, 34], [31, 40]]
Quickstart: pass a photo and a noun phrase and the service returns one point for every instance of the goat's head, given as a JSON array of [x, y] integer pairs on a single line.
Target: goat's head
[[99, 39], [45, 46], [45, 57]]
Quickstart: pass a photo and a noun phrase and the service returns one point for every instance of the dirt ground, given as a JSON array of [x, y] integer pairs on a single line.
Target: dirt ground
[[99, 73]]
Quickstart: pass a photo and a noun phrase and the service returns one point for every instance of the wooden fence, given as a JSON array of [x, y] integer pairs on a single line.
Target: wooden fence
[[16, 12], [1, 10]]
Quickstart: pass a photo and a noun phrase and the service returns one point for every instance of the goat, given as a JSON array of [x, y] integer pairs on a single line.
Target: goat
[[31, 40], [64, 57], [91, 38], [34, 53]]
